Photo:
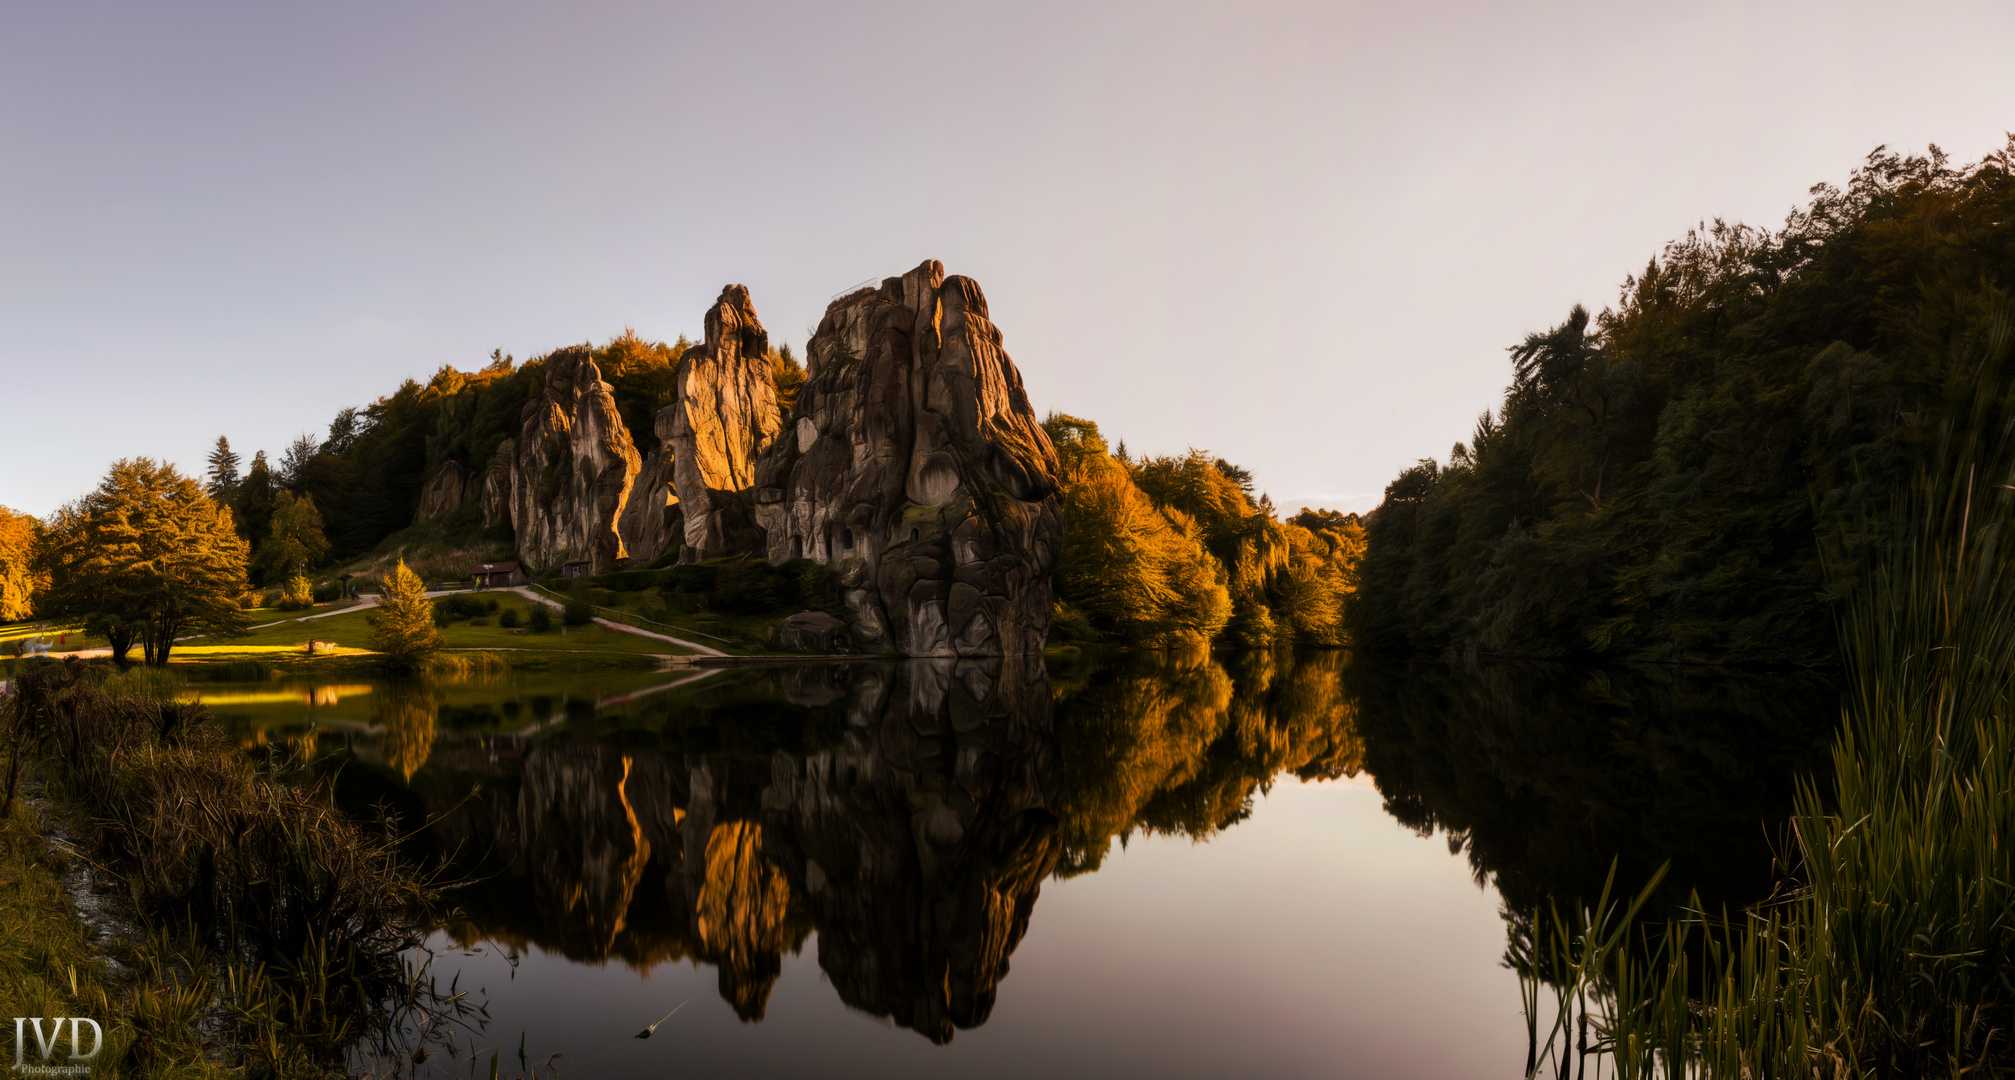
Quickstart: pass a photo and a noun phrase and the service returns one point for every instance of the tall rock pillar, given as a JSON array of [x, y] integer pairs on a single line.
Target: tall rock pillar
[[914, 465], [570, 470], [724, 418]]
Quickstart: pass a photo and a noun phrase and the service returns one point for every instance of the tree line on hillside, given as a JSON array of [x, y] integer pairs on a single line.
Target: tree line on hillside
[[1163, 551], [1665, 478], [361, 482]]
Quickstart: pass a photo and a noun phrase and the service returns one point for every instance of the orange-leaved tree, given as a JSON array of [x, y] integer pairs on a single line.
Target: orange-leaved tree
[[18, 579]]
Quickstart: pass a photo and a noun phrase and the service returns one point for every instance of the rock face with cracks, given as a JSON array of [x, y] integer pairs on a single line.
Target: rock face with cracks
[[450, 488], [653, 520], [914, 465], [567, 477], [725, 416]]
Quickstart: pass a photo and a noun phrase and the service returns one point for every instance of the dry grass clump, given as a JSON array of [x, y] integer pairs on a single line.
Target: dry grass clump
[[305, 916]]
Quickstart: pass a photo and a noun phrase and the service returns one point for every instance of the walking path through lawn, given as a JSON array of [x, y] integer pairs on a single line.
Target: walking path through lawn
[[372, 601], [626, 628]]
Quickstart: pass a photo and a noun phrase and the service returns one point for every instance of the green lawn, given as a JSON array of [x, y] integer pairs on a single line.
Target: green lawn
[[351, 633], [30, 630], [743, 633]]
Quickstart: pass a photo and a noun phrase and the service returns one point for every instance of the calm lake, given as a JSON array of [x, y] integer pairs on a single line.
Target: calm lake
[[1291, 864]]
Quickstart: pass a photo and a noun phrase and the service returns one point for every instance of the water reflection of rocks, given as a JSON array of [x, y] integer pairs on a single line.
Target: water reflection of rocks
[[909, 813]]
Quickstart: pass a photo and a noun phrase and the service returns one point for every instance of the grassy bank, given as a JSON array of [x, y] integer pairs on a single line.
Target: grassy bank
[[274, 930], [49, 963]]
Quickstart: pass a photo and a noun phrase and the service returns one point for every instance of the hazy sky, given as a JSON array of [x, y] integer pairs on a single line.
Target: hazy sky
[[1298, 235]]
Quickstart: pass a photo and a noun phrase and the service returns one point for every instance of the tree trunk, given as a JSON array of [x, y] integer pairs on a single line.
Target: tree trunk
[[121, 639]]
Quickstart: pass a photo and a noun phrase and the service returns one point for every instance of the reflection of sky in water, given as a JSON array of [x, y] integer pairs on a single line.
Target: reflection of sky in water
[[1319, 937], [323, 696]]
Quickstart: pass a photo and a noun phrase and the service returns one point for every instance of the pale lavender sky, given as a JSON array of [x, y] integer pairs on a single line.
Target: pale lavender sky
[[1297, 235]]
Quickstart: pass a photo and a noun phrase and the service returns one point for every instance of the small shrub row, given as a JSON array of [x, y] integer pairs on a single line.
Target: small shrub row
[[733, 586], [462, 606]]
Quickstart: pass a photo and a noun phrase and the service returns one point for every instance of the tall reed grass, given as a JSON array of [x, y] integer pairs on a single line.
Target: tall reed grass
[[1892, 951], [300, 922]]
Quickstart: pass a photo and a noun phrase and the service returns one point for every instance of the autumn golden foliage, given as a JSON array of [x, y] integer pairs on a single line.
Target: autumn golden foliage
[[1135, 570], [402, 628], [146, 556], [18, 580], [1175, 551]]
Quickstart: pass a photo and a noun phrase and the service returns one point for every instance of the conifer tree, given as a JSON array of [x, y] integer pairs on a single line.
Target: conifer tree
[[300, 593], [294, 463], [403, 625], [294, 539], [255, 501], [223, 474]]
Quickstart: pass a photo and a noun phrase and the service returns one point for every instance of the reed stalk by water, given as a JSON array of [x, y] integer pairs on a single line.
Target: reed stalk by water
[[295, 924], [1893, 953]]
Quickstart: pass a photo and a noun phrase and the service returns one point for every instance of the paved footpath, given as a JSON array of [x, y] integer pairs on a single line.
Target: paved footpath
[[526, 592]]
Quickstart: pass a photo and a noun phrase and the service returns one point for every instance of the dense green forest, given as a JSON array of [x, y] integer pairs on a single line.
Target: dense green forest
[[1664, 479]]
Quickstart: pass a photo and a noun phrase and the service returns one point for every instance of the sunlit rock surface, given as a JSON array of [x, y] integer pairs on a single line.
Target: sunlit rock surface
[[725, 416], [914, 464], [570, 469], [653, 521]]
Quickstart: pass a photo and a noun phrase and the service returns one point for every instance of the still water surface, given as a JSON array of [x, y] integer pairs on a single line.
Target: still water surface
[[1259, 865]]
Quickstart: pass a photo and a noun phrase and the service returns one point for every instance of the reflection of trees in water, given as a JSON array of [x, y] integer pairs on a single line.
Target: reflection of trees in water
[[405, 717], [1545, 773], [1175, 743], [907, 812]]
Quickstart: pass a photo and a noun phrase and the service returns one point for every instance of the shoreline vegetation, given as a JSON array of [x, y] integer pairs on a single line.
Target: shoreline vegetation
[[1890, 947], [245, 926]]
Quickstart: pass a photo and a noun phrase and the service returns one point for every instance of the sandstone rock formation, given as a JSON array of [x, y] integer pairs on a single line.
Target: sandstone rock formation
[[569, 471], [914, 464], [653, 520], [725, 416], [450, 488], [496, 492]]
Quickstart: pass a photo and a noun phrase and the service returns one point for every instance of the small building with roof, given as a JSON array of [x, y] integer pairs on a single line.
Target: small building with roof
[[494, 575]]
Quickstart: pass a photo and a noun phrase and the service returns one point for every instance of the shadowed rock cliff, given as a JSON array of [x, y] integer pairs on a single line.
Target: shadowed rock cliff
[[914, 465], [653, 521], [449, 489]]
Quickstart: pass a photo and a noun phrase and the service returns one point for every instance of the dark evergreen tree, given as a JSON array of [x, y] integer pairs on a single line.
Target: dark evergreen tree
[[255, 501], [223, 474]]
